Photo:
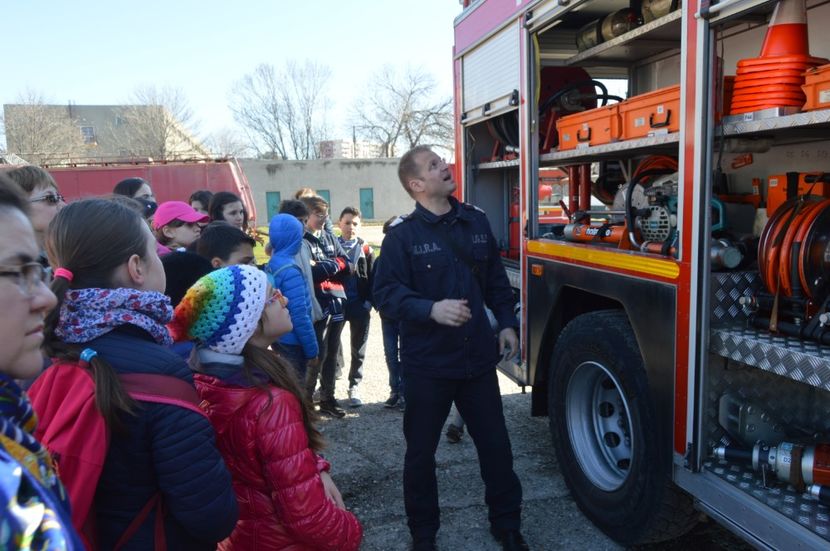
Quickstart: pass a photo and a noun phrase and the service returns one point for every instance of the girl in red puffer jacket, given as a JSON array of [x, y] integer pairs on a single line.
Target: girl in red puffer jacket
[[287, 500]]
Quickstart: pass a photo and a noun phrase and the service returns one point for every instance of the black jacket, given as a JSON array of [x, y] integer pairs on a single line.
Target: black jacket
[[420, 267]]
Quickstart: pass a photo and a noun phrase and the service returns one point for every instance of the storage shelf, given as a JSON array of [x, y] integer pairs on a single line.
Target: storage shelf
[[498, 164], [779, 496], [808, 126], [653, 38], [665, 143], [804, 361]]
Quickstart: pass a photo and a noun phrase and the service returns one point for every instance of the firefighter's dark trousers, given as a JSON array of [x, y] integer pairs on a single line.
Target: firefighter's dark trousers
[[428, 402]]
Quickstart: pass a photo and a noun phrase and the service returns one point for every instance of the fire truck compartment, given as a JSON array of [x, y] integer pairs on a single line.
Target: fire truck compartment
[[785, 377]]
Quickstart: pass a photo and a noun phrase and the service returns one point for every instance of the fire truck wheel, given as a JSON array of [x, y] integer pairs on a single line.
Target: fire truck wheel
[[602, 419]]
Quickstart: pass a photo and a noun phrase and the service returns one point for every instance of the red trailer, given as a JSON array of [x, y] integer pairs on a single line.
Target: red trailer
[[174, 180]]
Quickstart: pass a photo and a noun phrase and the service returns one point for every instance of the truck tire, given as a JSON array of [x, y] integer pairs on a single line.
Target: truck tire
[[602, 420]]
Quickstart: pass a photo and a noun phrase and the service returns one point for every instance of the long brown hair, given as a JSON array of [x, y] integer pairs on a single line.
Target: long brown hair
[[282, 375], [92, 238]]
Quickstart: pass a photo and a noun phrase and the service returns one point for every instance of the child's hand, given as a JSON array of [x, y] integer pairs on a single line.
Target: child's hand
[[331, 490]]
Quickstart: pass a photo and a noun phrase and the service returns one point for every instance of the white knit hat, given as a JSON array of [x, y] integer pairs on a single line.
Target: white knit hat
[[221, 310]]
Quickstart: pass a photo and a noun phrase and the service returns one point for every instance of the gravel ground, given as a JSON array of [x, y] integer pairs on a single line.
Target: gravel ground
[[366, 449]]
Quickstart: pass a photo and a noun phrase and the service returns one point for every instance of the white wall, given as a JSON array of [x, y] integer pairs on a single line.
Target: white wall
[[342, 177]]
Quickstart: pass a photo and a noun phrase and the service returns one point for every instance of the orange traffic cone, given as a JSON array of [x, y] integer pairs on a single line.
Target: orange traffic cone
[[774, 78], [787, 32]]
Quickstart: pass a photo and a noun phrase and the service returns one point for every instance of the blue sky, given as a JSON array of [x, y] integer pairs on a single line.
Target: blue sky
[[97, 52]]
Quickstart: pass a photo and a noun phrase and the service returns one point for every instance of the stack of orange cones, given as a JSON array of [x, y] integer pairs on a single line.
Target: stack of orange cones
[[774, 78]]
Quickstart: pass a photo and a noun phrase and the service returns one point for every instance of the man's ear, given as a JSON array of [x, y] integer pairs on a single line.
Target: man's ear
[[135, 270], [216, 262], [416, 185]]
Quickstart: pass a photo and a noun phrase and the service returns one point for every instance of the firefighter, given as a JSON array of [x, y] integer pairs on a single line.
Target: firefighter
[[440, 266]]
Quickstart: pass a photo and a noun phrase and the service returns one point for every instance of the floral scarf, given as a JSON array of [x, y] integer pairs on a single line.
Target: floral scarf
[[89, 313], [17, 426]]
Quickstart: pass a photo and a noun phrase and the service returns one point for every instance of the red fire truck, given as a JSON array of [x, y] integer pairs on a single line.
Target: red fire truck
[[674, 310], [174, 180]]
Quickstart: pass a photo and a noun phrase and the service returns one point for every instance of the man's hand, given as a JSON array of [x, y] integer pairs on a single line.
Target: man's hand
[[452, 312], [331, 490], [508, 342]]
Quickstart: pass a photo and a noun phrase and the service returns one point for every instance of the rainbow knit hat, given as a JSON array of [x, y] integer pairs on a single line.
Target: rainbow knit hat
[[222, 309]]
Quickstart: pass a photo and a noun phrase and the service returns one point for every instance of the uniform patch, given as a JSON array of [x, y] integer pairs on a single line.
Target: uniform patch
[[425, 248]]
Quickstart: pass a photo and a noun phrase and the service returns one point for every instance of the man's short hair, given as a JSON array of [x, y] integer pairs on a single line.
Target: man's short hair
[[294, 207], [315, 203], [354, 211], [408, 167], [219, 240]]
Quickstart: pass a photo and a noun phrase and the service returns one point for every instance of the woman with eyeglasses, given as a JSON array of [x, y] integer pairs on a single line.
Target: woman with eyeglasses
[[263, 421], [44, 201], [36, 508]]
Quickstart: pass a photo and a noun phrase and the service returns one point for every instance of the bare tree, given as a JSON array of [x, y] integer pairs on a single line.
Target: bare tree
[[400, 109], [227, 143], [283, 112], [160, 124], [41, 132]]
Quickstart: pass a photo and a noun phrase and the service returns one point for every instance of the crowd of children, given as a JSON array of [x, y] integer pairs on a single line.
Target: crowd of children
[[173, 378]]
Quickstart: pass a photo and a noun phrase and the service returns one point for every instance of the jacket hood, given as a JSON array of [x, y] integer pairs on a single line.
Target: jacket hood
[[286, 234]]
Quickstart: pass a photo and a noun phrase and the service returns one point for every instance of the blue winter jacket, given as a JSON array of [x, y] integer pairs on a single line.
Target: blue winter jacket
[[286, 235], [164, 448]]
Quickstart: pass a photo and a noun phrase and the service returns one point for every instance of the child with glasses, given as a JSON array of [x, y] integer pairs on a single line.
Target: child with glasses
[[176, 226], [263, 421]]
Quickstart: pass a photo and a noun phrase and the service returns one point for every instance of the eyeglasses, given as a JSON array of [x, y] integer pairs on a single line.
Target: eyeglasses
[[52, 199], [277, 296], [28, 276], [320, 216]]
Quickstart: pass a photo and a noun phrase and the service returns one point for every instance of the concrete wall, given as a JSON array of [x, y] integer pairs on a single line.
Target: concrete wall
[[343, 178]]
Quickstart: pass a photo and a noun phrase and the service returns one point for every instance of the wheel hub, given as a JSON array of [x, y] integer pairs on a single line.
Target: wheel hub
[[599, 425]]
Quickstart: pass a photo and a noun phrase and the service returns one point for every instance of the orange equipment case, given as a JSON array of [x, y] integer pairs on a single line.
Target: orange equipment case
[[781, 187], [657, 112], [593, 127], [817, 88]]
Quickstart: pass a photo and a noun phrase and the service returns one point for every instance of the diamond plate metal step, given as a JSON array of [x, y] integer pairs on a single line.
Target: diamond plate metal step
[[798, 507]]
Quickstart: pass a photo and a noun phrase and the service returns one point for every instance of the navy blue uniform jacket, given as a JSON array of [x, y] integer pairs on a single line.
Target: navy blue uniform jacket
[[420, 267]]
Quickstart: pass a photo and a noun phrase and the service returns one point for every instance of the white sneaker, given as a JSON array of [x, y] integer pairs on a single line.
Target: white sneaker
[[315, 398], [354, 398]]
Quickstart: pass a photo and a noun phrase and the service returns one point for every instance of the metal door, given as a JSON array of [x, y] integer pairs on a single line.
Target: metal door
[[272, 203], [324, 193], [367, 203]]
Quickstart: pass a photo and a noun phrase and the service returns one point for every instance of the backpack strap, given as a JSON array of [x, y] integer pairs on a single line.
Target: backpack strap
[[159, 389], [162, 389], [158, 529]]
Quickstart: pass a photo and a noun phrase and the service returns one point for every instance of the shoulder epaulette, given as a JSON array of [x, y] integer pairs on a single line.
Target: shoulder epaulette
[[399, 220], [470, 206]]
